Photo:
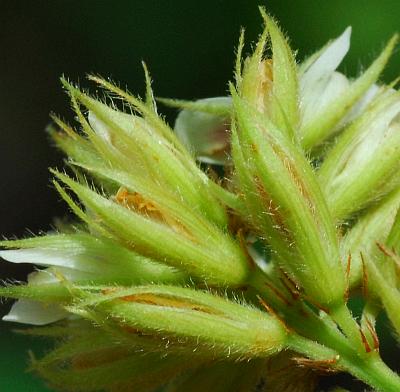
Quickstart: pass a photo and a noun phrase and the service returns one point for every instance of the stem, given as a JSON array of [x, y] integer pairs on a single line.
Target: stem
[[324, 341], [369, 369], [302, 319], [344, 319], [374, 372], [310, 348]]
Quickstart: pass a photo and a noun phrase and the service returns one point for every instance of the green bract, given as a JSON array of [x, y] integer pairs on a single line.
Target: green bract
[[175, 275]]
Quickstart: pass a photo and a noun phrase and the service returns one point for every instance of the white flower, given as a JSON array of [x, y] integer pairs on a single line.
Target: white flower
[[320, 83], [207, 135], [363, 165], [76, 258], [327, 102], [328, 99]]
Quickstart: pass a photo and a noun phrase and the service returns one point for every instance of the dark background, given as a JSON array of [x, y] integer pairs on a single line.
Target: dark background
[[188, 46]]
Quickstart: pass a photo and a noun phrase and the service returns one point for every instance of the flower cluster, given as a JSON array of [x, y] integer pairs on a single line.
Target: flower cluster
[[215, 254]]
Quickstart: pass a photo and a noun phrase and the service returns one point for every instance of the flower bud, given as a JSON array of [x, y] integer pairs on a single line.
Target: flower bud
[[164, 229], [198, 322], [88, 358], [79, 258], [285, 204], [362, 167], [149, 149], [371, 228], [271, 84]]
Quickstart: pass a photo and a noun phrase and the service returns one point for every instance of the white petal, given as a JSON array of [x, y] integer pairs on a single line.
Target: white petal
[[328, 61], [99, 127], [35, 313], [32, 256], [47, 257], [206, 135], [361, 105], [53, 275], [380, 131], [320, 84], [325, 91]]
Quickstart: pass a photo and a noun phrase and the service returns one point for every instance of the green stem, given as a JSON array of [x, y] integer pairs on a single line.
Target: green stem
[[324, 341], [310, 348], [344, 319], [374, 372], [369, 368], [301, 318]]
